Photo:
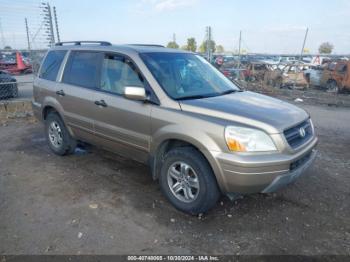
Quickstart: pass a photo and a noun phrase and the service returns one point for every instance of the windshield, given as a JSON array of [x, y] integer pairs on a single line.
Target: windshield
[[187, 76]]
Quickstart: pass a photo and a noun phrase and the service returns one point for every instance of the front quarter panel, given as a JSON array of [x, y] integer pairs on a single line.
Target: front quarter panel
[[207, 136], [176, 124]]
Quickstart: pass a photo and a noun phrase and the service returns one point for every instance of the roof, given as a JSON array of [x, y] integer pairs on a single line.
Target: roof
[[105, 46]]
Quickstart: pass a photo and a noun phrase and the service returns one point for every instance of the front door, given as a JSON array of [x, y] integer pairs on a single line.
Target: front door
[[121, 124]]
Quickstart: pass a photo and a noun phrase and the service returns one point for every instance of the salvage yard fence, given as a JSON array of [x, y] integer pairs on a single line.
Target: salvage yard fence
[[15, 82], [25, 36]]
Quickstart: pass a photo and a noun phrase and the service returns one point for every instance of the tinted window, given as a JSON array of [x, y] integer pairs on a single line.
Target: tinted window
[[52, 64], [342, 68], [117, 73], [82, 69]]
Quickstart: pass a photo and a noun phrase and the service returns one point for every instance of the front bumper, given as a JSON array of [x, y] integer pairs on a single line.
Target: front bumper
[[283, 180], [261, 173]]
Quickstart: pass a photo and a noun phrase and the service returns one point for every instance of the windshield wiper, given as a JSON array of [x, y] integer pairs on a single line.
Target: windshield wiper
[[229, 92], [192, 97]]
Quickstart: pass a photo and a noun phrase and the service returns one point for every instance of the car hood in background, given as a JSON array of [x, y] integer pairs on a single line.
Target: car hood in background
[[248, 108]]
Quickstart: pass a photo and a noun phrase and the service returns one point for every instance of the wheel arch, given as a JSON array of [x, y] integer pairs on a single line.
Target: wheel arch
[[52, 105], [164, 145], [49, 105]]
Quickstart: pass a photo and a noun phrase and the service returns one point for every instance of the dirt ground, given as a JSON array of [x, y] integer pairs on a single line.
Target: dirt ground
[[95, 202]]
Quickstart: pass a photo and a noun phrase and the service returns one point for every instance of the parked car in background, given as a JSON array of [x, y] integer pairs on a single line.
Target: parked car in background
[[290, 75], [237, 74], [313, 75], [200, 134], [336, 76], [8, 85], [288, 59], [257, 70], [16, 68]]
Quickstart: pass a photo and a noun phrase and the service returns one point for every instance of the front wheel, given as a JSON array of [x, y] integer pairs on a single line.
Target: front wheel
[[188, 182]]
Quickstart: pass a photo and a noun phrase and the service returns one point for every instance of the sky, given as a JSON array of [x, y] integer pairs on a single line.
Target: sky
[[269, 26]]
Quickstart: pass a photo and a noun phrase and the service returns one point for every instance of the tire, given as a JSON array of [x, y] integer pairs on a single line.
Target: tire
[[277, 83], [332, 87], [55, 130], [200, 173]]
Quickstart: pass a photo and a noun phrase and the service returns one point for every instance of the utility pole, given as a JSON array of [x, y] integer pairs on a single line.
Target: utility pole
[[27, 30], [209, 41], [301, 57], [239, 49], [48, 23], [56, 22], [174, 37], [2, 35], [51, 25], [302, 49]]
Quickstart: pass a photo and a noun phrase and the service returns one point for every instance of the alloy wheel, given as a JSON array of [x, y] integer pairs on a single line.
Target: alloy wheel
[[183, 182]]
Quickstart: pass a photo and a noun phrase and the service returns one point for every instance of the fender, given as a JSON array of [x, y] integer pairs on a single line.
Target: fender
[[52, 102], [202, 141]]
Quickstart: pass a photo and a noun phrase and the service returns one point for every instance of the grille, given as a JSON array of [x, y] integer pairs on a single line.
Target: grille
[[294, 137]]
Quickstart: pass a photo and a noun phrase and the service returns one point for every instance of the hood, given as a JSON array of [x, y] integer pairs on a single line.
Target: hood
[[248, 108]]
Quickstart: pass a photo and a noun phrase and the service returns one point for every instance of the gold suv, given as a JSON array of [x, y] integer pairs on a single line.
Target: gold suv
[[200, 134]]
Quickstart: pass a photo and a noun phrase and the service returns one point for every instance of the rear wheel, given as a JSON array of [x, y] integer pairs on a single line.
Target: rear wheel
[[188, 182], [332, 87], [58, 137], [278, 83]]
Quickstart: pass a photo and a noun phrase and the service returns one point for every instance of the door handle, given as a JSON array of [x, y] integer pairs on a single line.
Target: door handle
[[60, 93], [101, 103]]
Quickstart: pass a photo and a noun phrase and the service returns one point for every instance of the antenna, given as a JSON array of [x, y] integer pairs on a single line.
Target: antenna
[[27, 30]]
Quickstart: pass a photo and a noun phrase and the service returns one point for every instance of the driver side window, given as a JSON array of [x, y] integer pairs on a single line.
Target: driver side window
[[117, 73]]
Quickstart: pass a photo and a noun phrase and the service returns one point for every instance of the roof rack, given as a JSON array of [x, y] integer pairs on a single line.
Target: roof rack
[[150, 45], [103, 43]]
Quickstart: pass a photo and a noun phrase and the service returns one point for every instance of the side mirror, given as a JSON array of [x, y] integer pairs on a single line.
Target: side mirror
[[135, 93]]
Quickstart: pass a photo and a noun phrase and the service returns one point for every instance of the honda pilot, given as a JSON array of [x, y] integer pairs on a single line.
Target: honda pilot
[[201, 135]]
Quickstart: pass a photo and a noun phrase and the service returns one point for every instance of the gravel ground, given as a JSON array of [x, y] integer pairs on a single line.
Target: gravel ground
[[95, 202]]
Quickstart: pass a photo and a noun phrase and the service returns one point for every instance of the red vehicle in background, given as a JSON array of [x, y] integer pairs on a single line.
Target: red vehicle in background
[[16, 68]]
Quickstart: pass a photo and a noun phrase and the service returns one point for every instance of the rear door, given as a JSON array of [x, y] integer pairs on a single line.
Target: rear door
[[77, 90], [121, 124]]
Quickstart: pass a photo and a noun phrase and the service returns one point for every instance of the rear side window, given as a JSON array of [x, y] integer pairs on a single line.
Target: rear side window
[[51, 65], [83, 69]]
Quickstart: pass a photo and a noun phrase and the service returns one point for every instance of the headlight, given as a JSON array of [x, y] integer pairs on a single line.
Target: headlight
[[242, 139]]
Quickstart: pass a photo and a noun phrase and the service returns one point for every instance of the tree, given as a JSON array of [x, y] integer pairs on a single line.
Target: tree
[[172, 44], [325, 48], [7, 47], [191, 44], [220, 49], [203, 47]]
